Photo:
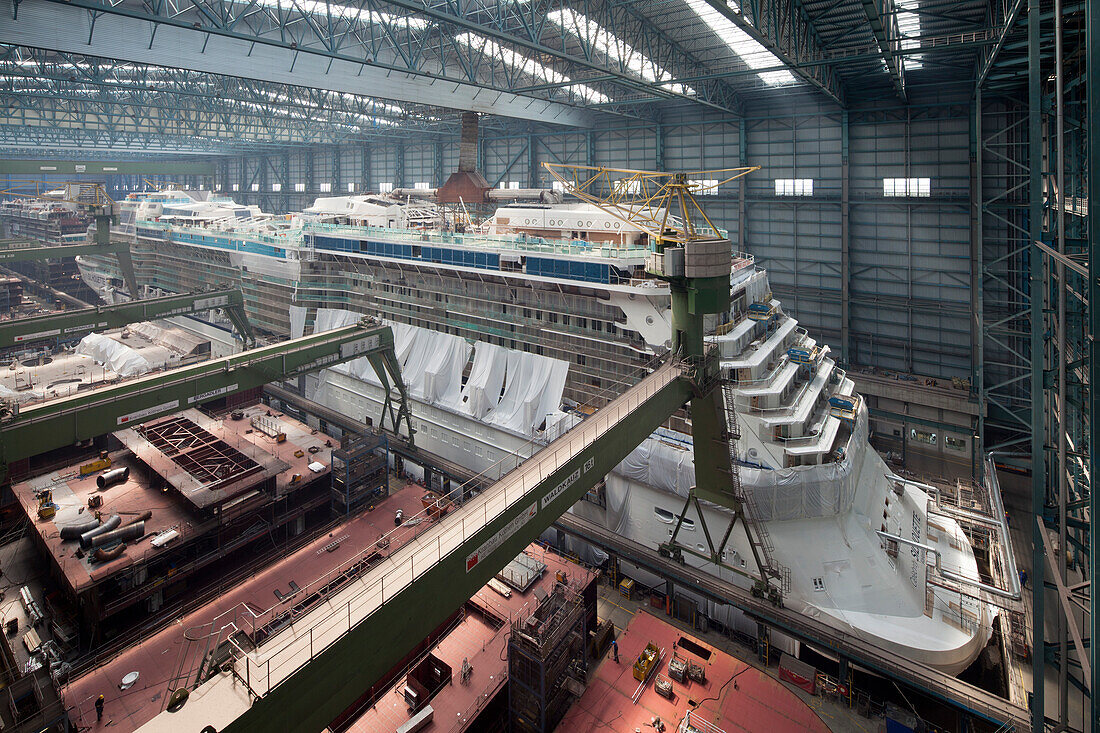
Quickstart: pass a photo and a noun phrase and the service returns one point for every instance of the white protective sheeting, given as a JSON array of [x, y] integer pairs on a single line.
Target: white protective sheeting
[[433, 369], [11, 396], [431, 362], [173, 339], [330, 318], [662, 464], [532, 391], [441, 382], [120, 359], [482, 391], [432, 365], [298, 321]]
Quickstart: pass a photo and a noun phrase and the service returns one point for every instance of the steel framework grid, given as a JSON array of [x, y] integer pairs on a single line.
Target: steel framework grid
[[1036, 240]]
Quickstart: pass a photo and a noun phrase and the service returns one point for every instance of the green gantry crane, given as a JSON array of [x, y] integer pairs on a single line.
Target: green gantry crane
[[67, 324], [35, 429], [89, 197]]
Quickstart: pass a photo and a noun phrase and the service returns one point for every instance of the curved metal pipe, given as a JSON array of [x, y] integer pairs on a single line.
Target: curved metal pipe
[[143, 517], [104, 555], [112, 477], [112, 523], [74, 531], [129, 532], [949, 574]]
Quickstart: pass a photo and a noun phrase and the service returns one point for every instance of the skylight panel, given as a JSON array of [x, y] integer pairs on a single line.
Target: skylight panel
[[529, 66], [347, 12], [615, 49], [749, 50], [909, 27]]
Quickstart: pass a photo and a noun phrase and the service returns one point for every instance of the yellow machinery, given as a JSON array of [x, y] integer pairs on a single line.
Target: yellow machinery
[[99, 464], [46, 508], [647, 660]]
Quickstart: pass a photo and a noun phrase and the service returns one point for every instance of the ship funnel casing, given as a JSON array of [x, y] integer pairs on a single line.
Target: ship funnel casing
[[467, 146]]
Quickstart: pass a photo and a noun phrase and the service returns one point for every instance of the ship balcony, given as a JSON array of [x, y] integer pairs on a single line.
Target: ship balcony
[[773, 389], [732, 338], [755, 360], [827, 435], [792, 418]]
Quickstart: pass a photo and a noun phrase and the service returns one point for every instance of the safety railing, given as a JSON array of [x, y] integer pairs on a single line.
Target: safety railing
[[520, 242], [298, 643]]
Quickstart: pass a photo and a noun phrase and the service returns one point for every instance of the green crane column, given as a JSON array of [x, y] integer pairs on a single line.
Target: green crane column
[[692, 299]]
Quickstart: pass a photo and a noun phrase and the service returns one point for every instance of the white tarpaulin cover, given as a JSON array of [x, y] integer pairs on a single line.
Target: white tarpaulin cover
[[482, 390], [442, 376], [120, 359], [432, 364], [298, 321], [174, 339], [532, 391], [10, 395], [330, 318]]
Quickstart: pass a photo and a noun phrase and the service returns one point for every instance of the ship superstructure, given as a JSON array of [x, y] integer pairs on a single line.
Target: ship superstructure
[[865, 549]]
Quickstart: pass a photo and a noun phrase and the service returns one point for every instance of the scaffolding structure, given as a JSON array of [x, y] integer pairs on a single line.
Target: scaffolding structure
[[546, 660], [359, 472], [1033, 144]]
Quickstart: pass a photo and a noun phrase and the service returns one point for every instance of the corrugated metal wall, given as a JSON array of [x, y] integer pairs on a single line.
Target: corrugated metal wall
[[908, 258]]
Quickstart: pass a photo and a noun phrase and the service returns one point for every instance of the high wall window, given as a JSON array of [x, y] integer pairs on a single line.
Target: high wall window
[[351, 187], [704, 187], [629, 186], [326, 187], [513, 185], [385, 187], [299, 187], [794, 187], [236, 187], [556, 185], [255, 187], [907, 187], [422, 185], [276, 187]]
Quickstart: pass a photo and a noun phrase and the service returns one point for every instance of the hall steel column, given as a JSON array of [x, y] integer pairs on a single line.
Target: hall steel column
[[1036, 287], [365, 181], [845, 236], [1092, 122]]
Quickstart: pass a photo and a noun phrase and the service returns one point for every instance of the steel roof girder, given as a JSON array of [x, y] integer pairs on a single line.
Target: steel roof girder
[[140, 34], [883, 18], [610, 16], [191, 83], [787, 33]]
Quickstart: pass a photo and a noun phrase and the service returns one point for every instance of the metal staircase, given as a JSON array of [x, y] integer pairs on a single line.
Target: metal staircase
[[757, 531]]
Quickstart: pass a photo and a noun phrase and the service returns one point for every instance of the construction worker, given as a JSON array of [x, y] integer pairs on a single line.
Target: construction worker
[[615, 650], [99, 708]]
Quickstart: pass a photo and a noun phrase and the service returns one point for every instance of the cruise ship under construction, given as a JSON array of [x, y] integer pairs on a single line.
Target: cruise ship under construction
[[509, 333]]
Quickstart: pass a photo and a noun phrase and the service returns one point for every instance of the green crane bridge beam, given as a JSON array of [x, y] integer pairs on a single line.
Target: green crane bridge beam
[[68, 324], [27, 251], [305, 676], [32, 430]]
